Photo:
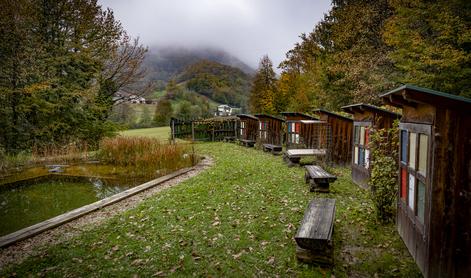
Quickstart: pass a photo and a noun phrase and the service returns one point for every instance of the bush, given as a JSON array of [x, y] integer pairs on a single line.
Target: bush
[[384, 147]]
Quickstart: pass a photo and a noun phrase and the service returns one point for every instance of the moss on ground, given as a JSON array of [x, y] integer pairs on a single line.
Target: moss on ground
[[236, 219]]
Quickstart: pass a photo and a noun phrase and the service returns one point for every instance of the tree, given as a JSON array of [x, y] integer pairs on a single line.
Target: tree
[[146, 118], [57, 78], [262, 94], [163, 112], [432, 45]]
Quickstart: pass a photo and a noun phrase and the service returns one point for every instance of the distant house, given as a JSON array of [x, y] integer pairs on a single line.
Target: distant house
[[127, 97], [225, 110], [136, 99]]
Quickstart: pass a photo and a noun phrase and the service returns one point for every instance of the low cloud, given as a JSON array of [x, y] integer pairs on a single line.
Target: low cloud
[[247, 29]]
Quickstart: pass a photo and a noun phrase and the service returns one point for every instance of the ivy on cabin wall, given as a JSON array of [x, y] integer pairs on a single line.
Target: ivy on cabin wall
[[384, 148]]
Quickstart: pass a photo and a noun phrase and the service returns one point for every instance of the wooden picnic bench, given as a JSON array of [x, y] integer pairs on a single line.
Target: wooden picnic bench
[[293, 156], [275, 149], [229, 139], [314, 236], [247, 143], [318, 178]]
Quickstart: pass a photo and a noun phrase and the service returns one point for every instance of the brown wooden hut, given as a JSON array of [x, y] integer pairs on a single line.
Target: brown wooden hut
[[247, 129], [434, 207], [270, 131], [341, 132], [293, 128], [365, 117]]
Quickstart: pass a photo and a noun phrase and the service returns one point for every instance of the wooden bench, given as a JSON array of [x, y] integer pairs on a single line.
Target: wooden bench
[[318, 178], [229, 139], [293, 156], [314, 236], [275, 149], [247, 143]]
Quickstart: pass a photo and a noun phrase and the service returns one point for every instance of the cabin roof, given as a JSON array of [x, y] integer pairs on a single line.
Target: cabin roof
[[410, 95], [320, 110], [294, 114], [268, 116], [247, 116], [360, 107]]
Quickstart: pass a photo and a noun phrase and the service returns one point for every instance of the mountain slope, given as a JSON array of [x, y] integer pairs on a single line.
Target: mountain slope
[[221, 83], [165, 63]]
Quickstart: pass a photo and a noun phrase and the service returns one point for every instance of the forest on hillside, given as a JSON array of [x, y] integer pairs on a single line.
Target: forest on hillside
[[363, 48]]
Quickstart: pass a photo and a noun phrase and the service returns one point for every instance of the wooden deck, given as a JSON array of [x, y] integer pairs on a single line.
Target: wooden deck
[[314, 236]]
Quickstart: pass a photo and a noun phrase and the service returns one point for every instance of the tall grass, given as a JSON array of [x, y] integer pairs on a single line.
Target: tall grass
[[145, 153], [68, 153]]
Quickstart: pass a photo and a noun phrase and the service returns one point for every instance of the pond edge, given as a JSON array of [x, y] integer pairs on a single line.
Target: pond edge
[[51, 223]]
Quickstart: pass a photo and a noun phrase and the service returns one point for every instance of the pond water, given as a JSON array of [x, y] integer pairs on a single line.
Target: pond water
[[36, 195]]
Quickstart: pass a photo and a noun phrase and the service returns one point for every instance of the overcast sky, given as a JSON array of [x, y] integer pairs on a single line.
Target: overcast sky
[[247, 29]]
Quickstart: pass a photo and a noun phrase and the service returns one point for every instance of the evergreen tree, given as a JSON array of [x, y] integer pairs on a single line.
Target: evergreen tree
[[163, 112], [262, 94]]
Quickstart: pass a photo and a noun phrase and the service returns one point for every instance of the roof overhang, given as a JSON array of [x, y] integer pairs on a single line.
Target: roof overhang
[[410, 95]]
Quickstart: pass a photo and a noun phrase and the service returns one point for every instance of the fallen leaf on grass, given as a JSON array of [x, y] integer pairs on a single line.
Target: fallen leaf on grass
[[237, 256]]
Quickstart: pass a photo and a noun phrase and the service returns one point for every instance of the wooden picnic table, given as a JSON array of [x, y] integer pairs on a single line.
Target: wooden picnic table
[[314, 237], [247, 143], [318, 178], [295, 155], [275, 149]]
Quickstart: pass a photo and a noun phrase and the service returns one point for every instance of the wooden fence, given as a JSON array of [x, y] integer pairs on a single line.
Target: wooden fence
[[212, 129]]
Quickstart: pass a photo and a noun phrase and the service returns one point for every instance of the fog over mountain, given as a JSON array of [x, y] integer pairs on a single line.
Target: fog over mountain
[[247, 29], [167, 62]]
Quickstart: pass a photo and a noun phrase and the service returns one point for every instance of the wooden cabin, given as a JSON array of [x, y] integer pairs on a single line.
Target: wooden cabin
[[270, 132], [366, 116], [341, 129], [293, 128], [247, 129], [434, 202]]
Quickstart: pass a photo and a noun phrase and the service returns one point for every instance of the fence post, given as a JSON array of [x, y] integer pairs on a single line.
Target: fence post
[[192, 131], [173, 130]]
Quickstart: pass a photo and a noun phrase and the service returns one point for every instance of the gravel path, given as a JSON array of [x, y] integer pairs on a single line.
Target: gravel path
[[38, 244]]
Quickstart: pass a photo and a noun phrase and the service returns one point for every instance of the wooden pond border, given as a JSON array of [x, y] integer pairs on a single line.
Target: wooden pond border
[[50, 223]]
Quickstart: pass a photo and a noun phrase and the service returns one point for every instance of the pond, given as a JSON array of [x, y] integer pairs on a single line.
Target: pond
[[36, 195]]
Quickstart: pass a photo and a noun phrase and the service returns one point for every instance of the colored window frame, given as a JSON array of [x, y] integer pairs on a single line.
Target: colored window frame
[[414, 164]]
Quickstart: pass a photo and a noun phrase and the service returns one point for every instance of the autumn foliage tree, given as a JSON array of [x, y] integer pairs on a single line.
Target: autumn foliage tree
[[263, 91], [363, 48]]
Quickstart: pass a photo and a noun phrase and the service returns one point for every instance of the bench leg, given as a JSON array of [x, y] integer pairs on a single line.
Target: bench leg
[[307, 177], [322, 187]]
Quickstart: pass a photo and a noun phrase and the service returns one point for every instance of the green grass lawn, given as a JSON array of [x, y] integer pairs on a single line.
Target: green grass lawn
[[236, 219], [162, 133]]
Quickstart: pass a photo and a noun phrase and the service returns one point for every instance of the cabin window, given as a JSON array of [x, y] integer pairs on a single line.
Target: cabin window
[[420, 201], [293, 132], [242, 128], [412, 149], [263, 130], [414, 162], [423, 155], [404, 146], [411, 191], [361, 154], [403, 184]]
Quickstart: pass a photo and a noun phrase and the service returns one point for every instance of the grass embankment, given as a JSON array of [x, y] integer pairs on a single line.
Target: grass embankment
[[237, 219], [161, 133]]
